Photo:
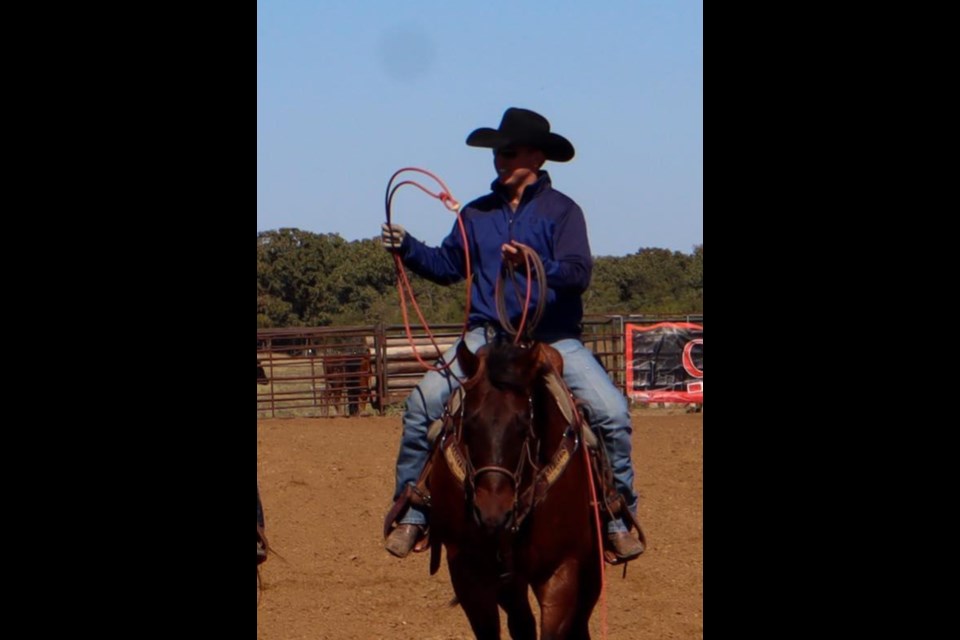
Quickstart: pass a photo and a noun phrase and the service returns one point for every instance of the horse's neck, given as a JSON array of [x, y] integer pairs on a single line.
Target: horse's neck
[[551, 424]]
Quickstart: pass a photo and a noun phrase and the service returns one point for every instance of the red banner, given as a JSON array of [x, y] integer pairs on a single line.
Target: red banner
[[665, 362]]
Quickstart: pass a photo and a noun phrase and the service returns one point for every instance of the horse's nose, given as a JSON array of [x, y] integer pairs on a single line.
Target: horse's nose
[[493, 503], [490, 521]]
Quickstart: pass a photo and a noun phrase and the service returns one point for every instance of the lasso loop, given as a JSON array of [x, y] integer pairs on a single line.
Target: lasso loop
[[404, 289]]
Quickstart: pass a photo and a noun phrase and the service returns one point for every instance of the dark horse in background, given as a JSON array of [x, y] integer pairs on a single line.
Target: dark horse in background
[[510, 497], [347, 377], [261, 537]]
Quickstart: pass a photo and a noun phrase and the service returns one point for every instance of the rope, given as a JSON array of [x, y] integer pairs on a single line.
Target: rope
[[596, 519], [534, 270], [404, 288]]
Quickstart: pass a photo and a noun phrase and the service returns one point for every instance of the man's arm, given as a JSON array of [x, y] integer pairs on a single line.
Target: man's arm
[[572, 264], [442, 265]]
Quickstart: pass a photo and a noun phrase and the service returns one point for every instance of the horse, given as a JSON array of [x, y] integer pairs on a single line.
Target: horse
[[348, 386], [262, 545], [510, 496], [261, 536]]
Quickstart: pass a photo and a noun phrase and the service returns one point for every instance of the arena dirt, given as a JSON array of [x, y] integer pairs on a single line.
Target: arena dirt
[[326, 485]]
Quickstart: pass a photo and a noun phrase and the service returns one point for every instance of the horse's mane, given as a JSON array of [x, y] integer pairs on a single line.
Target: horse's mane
[[513, 368]]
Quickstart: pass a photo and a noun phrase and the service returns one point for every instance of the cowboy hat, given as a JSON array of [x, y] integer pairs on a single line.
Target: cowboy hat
[[523, 127]]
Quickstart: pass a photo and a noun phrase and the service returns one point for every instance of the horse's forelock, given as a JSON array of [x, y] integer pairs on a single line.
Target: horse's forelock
[[514, 368]]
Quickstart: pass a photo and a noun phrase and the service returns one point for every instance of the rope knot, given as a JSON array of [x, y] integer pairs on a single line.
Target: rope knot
[[449, 202]]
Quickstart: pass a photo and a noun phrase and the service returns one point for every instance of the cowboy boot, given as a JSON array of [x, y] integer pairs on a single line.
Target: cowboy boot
[[402, 539], [624, 545]]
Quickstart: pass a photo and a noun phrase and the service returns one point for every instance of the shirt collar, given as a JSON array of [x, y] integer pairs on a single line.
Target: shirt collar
[[542, 184]]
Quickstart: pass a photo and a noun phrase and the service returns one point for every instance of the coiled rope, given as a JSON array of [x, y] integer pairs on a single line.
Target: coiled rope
[[404, 288], [533, 269]]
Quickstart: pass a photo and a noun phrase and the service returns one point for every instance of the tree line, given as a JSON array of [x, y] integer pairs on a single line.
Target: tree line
[[311, 279]]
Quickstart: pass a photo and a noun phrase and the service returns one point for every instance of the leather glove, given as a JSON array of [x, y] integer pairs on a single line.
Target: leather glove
[[392, 236]]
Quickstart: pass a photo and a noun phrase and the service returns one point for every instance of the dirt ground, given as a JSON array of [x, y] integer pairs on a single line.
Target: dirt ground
[[326, 484]]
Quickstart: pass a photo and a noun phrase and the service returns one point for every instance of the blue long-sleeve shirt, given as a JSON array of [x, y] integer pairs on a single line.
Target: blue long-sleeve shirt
[[547, 221]]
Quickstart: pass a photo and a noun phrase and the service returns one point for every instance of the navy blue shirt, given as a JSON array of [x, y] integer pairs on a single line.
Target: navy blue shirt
[[547, 221]]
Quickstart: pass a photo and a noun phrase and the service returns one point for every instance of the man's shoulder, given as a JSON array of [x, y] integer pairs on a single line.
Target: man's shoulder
[[484, 204], [559, 202], [559, 195]]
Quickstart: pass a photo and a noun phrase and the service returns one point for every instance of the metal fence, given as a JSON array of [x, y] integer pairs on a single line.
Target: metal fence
[[339, 371]]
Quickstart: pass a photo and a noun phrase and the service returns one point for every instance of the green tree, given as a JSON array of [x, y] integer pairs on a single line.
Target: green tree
[[650, 281], [309, 279], [292, 267]]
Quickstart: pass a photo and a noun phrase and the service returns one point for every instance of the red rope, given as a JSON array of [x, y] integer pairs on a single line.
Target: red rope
[[596, 518], [404, 288]]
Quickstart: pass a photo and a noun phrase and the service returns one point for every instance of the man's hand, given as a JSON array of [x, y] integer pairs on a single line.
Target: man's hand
[[392, 236], [510, 253]]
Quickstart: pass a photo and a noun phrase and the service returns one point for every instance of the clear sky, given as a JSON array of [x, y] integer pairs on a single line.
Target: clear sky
[[349, 91]]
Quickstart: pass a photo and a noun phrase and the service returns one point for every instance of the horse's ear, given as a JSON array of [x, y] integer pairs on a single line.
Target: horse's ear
[[546, 353], [469, 363]]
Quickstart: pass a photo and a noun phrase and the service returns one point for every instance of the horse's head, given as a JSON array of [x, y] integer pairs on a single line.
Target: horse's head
[[499, 425], [261, 375]]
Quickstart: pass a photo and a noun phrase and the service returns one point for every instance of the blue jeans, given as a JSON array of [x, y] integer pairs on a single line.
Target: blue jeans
[[607, 413]]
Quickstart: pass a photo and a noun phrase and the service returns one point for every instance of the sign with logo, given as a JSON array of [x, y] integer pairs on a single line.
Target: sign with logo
[[665, 362]]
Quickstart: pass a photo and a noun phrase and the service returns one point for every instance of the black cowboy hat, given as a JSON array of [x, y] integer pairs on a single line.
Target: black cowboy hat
[[523, 127]]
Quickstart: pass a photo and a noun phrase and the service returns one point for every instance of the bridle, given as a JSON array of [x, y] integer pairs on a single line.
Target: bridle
[[515, 476], [457, 456]]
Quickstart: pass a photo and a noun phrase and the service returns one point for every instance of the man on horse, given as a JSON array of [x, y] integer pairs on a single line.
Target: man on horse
[[524, 208]]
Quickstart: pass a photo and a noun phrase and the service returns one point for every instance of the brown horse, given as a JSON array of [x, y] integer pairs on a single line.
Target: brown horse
[[510, 498], [348, 381], [262, 545]]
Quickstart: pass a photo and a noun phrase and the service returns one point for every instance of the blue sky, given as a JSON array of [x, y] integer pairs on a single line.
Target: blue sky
[[349, 91]]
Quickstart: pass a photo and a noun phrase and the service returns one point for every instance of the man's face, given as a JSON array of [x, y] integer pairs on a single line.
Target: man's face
[[517, 164]]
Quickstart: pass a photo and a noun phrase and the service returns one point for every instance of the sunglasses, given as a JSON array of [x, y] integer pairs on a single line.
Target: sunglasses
[[505, 153]]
